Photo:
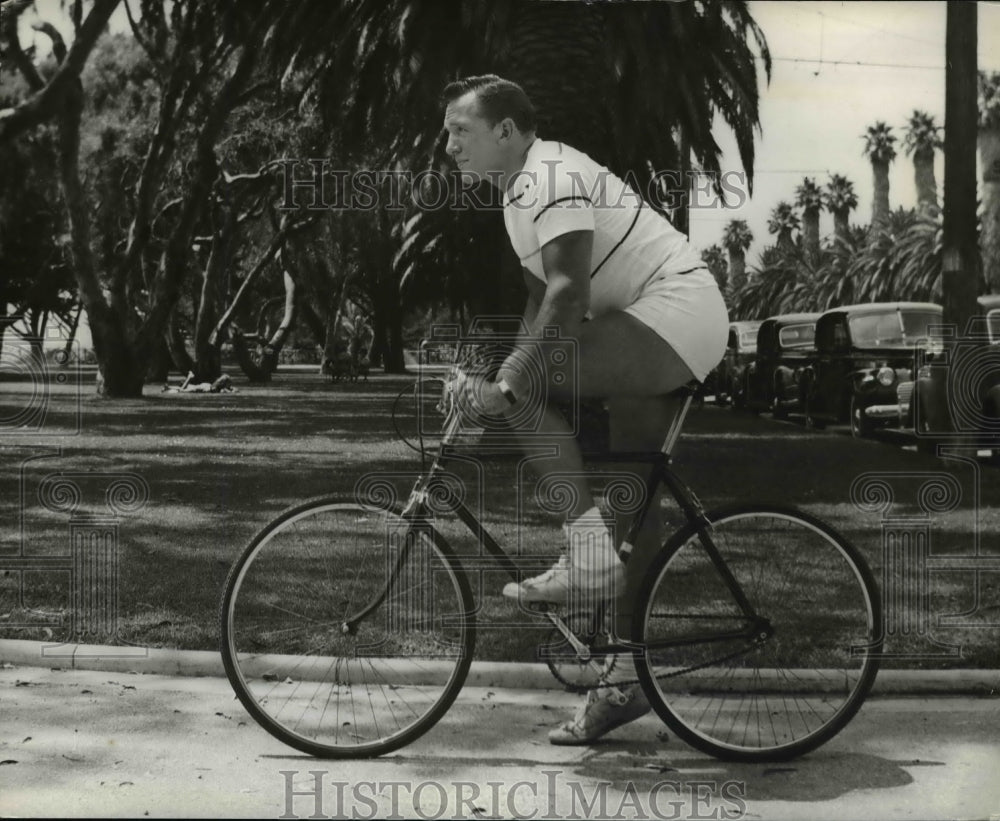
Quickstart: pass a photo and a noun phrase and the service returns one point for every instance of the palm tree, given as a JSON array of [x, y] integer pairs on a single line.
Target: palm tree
[[899, 260], [737, 238], [412, 48], [715, 258], [611, 79], [766, 292], [989, 154], [783, 222], [921, 140], [809, 198], [879, 149], [840, 200]]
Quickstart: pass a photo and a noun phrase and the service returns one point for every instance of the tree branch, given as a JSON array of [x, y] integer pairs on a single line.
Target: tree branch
[[41, 105], [273, 249], [11, 13], [140, 38], [58, 44]]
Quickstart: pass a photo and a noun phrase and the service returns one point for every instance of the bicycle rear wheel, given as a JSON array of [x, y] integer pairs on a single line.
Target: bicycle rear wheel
[[764, 697], [347, 631]]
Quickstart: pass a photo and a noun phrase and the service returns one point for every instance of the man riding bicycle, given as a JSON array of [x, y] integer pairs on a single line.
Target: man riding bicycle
[[646, 316]]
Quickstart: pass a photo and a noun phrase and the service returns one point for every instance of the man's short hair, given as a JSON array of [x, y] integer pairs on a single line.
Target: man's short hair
[[498, 98]]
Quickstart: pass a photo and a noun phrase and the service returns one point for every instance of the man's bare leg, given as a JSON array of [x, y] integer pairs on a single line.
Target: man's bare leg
[[637, 424], [617, 356]]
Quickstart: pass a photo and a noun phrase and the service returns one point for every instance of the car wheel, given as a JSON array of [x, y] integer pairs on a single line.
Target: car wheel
[[778, 411], [861, 425], [926, 442], [811, 420]]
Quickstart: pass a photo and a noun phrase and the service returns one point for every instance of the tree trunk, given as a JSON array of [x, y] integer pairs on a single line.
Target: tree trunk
[[810, 232], [989, 153], [682, 214], [74, 326], [121, 370], [160, 363], [737, 268], [207, 345], [175, 344], [537, 66], [259, 369], [785, 242], [840, 224], [391, 311], [880, 202], [923, 176], [960, 264]]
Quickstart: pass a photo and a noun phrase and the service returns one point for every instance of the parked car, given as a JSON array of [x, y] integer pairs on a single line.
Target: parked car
[[974, 376], [728, 377], [784, 348], [863, 353]]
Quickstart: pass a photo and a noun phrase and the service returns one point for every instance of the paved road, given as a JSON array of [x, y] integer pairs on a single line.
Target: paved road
[[80, 743]]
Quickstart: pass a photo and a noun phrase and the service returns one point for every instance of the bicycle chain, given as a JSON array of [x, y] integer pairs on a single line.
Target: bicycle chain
[[665, 676]]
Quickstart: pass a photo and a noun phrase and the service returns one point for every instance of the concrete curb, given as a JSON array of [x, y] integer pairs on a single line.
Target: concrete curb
[[514, 675]]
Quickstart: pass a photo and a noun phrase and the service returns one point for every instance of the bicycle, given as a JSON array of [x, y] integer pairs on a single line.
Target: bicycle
[[348, 624]]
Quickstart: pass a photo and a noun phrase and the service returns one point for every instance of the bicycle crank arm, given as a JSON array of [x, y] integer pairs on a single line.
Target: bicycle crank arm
[[582, 651]]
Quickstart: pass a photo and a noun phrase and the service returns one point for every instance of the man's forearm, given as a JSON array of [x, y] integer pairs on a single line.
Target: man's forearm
[[560, 309]]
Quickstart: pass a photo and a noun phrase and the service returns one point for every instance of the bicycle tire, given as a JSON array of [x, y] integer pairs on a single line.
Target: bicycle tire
[[312, 684], [782, 696]]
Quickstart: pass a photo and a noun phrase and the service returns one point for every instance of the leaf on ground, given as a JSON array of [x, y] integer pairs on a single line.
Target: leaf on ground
[[7, 761], [86, 692], [26, 738]]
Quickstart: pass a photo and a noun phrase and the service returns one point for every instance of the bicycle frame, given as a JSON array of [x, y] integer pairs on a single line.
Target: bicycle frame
[[417, 510]]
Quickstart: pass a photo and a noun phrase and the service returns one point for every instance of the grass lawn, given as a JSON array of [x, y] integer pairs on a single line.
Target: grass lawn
[[219, 466]]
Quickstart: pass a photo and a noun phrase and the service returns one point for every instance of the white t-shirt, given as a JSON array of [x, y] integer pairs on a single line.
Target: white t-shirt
[[560, 190]]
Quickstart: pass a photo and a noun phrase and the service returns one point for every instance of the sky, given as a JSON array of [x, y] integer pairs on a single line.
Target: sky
[[814, 113]]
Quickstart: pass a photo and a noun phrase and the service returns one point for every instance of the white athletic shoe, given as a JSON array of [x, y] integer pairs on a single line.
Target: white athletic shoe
[[604, 710], [563, 582]]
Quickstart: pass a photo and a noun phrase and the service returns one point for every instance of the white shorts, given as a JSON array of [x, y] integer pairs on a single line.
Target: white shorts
[[689, 313]]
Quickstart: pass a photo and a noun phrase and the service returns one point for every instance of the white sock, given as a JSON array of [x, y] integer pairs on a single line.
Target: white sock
[[591, 545]]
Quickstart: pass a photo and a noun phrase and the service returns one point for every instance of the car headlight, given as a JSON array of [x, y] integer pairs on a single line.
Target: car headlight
[[885, 376]]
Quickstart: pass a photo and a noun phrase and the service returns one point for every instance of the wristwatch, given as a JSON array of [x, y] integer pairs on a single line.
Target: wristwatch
[[506, 391]]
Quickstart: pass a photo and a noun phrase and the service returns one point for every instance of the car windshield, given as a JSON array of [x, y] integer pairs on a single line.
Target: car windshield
[[748, 340], [797, 336], [892, 328]]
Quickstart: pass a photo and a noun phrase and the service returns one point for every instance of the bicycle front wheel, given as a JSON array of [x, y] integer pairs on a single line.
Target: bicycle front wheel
[[347, 631], [776, 687]]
